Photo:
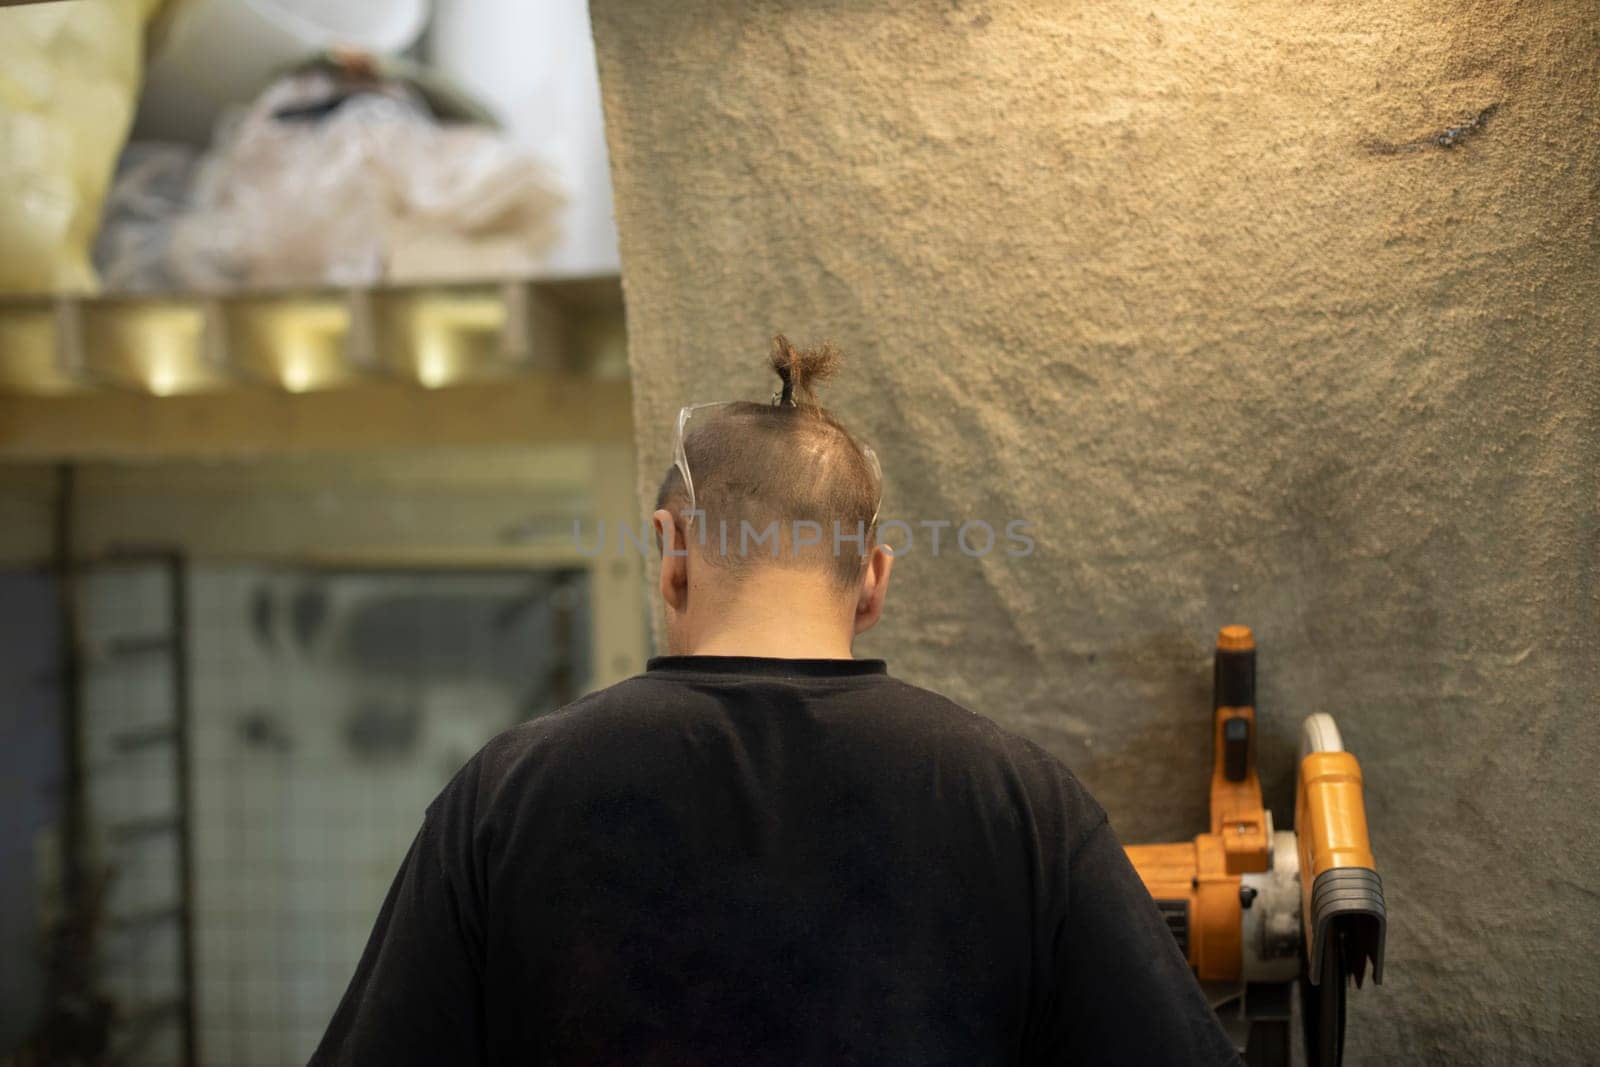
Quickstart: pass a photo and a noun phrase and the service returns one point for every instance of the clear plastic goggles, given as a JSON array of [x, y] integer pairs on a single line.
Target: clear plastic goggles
[[701, 413]]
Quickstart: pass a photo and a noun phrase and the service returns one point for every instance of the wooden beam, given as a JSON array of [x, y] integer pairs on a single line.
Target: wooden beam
[[534, 408], [617, 595]]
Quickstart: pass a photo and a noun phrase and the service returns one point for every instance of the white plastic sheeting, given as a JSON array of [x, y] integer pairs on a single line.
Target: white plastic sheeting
[[210, 54], [534, 64]]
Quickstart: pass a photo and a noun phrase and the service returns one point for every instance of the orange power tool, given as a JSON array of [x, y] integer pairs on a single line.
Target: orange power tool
[[1258, 911]]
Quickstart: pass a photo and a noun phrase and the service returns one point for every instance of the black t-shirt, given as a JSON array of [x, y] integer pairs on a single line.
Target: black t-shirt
[[733, 860]]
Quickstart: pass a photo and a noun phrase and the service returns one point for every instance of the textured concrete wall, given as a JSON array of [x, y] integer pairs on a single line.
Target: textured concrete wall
[[1260, 311]]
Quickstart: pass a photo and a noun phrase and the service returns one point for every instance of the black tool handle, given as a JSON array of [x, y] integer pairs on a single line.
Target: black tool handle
[[1233, 683]]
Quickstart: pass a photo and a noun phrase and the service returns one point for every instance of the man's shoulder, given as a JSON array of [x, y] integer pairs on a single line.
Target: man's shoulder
[[942, 713], [608, 714], [576, 733], [632, 719], [1049, 786]]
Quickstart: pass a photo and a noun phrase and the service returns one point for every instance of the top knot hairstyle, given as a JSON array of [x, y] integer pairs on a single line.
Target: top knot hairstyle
[[789, 463], [801, 370]]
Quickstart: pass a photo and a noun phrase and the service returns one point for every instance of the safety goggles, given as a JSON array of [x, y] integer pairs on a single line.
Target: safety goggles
[[701, 414]]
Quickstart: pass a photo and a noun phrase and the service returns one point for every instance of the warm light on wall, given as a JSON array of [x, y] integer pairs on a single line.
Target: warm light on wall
[[439, 337], [298, 341], [159, 346]]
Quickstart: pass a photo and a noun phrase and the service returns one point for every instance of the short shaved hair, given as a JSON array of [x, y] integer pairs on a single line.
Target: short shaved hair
[[787, 463]]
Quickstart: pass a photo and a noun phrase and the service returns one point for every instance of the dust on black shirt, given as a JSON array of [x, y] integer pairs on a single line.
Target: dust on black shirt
[[732, 860]]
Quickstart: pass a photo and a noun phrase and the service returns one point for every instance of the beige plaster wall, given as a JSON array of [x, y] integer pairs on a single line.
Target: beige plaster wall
[[1262, 311]]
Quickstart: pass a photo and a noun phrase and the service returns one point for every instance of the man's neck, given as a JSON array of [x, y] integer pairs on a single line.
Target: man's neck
[[778, 614]]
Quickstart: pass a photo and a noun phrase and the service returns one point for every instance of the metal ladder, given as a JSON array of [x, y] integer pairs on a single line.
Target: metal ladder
[[153, 996]]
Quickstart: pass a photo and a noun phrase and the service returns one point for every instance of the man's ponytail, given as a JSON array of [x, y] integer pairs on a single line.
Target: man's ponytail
[[801, 370]]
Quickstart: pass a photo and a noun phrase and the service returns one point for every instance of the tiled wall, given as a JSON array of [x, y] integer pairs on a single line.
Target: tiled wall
[[329, 709]]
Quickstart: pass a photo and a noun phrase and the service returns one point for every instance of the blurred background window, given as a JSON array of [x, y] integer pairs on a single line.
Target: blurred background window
[[312, 369]]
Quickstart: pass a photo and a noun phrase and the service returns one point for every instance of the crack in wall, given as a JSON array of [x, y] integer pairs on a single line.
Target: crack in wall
[[1448, 138]]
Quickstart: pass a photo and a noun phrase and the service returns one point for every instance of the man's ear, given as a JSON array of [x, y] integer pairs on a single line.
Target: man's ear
[[874, 588], [674, 560]]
